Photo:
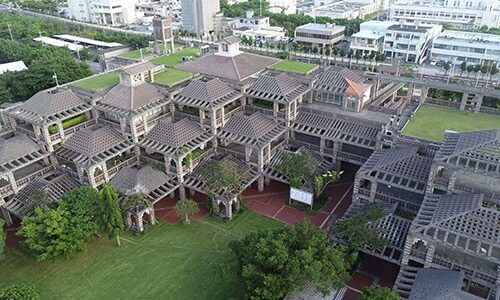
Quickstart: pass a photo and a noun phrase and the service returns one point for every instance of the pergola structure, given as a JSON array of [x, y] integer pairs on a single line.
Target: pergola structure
[[152, 183], [343, 87], [397, 175], [283, 91], [96, 153], [178, 142], [21, 160], [134, 105], [340, 137], [43, 116], [214, 99], [225, 201], [468, 162], [459, 232], [40, 192], [256, 137]]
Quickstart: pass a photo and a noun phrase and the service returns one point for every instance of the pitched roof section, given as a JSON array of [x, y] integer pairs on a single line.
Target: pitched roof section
[[145, 179], [256, 129], [128, 99], [16, 147], [47, 106], [237, 68], [456, 143], [342, 80], [139, 68], [434, 284], [282, 88], [207, 94], [94, 144], [169, 137], [232, 39]]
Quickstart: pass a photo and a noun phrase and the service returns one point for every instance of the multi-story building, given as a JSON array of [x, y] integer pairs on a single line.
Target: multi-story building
[[283, 6], [344, 9], [198, 15], [258, 28], [470, 47], [459, 14], [112, 12], [319, 34], [410, 43], [370, 37]]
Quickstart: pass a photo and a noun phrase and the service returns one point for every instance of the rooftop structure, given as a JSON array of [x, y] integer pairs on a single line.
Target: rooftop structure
[[108, 12], [198, 15], [86, 41], [14, 66], [258, 28], [370, 36], [469, 47], [58, 43], [319, 34], [344, 9]]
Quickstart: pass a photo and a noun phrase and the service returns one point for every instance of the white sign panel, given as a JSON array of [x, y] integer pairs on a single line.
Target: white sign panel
[[301, 196]]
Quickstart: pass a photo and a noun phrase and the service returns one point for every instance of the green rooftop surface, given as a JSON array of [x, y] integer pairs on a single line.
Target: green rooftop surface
[[175, 58], [137, 53], [99, 82], [171, 76], [166, 262], [294, 66], [431, 121]]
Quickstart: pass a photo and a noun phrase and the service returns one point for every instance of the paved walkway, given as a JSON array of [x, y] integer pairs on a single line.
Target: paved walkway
[[164, 209]]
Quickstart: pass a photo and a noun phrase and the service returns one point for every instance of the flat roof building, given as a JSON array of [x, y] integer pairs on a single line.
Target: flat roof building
[[198, 15], [370, 36], [319, 34], [14, 66]]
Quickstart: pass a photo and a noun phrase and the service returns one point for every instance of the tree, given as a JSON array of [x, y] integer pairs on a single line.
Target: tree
[[19, 292], [49, 233], [274, 263], [378, 293], [493, 70], [484, 70], [185, 209], [321, 181], [84, 208], [361, 229], [447, 67], [2, 239], [111, 212], [137, 200], [342, 53], [357, 55], [328, 51], [221, 178], [463, 67], [477, 68], [470, 68]]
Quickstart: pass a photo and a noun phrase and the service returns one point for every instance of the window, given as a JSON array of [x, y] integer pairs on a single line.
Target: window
[[225, 47]]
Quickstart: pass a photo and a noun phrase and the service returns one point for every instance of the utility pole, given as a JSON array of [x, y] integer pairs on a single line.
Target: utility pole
[[10, 32], [55, 77]]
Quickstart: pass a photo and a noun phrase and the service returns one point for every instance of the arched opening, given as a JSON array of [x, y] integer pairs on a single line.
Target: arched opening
[[146, 219], [222, 209]]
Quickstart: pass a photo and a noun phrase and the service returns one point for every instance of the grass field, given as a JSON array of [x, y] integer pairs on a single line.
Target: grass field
[[171, 76], [431, 121], [175, 58], [167, 262], [137, 54], [99, 82], [294, 66]]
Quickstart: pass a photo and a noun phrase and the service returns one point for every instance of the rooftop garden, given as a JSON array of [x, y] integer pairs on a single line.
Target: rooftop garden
[[135, 55], [430, 122], [171, 76], [175, 58], [294, 66], [167, 261], [100, 82], [68, 123]]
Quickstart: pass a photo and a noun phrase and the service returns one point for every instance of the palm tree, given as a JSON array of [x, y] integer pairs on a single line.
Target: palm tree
[[185, 209]]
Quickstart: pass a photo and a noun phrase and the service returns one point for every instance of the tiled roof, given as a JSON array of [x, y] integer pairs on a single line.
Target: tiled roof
[[46, 105], [16, 147], [139, 68], [237, 68], [207, 93], [456, 143], [145, 179], [175, 134], [281, 87], [131, 98], [435, 284], [232, 39], [342, 80]]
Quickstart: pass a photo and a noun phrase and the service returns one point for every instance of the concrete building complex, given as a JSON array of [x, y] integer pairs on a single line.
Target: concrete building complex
[[198, 15], [470, 47], [319, 34], [112, 12], [258, 28], [371, 36], [459, 14]]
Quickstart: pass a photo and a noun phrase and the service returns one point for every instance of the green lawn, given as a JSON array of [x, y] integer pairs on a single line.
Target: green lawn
[[294, 66], [175, 58], [431, 121], [137, 53], [170, 76], [167, 262], [99, 82]]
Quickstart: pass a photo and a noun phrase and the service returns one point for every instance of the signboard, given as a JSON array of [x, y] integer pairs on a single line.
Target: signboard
[[301, 196]]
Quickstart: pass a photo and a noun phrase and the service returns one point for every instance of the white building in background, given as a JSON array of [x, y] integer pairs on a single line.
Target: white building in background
[[285, 6], [258, 28], [198, 15], [345, 9], [409, 43], [112, 12], [319, 34], [471, 47], [460, 14], [370, 36]]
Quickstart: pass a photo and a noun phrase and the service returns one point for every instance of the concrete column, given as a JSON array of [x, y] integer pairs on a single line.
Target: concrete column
[[60, 130], [46, 138], [90, 174], [152, 215], [431, 248], [213, 122], [275, 109], [423, 93], [180, 176], [479, 102], [223, 117], [215, 206], [229, 210], [373, 190], [260, 183], [465, 97], [140, 223], [166, 162], [104, 169], [12, 182], [6, 216], [322, 145], [248, 153]]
